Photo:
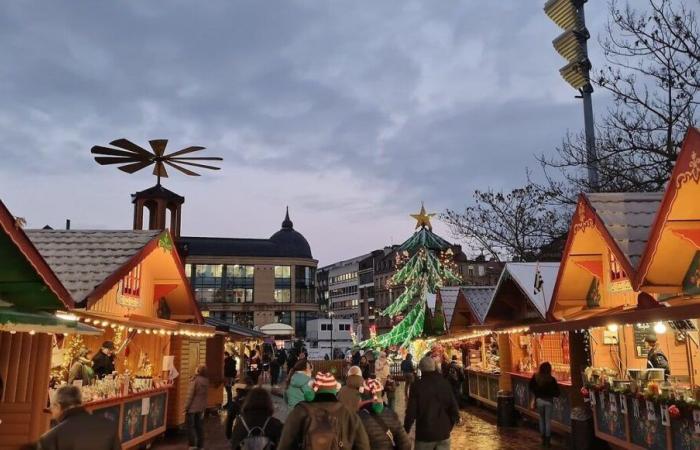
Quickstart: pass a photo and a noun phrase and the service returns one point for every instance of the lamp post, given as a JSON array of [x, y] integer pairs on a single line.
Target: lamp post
[[330, 316]]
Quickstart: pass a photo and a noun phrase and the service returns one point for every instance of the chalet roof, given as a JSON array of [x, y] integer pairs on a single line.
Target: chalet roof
[[523, 275], [448, 295], [479, 299], [82, 259], [628, 217]]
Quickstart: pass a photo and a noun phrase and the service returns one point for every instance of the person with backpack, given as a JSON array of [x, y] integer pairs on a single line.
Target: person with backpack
[[298, 388], [234, 408], [323, 423], [255, 428], [383, 427], [455, 375], [433, 408]]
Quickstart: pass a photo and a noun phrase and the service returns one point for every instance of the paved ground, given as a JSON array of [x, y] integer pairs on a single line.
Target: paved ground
[[476, 430]]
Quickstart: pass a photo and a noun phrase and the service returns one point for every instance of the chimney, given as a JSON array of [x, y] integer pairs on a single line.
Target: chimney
[[67, 224]]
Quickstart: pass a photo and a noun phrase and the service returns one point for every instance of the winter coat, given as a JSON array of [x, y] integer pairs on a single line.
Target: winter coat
[[546, 390], [298, 387], [80, 430], [230, 367], [407, 366], [102, 364], [349, 395], [381, 368], [273, 429], [196, 401], [366, 370], [376, 433], [433, 407], [352, 433]]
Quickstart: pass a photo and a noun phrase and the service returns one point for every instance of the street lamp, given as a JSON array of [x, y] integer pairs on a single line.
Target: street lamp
[[572, 46]]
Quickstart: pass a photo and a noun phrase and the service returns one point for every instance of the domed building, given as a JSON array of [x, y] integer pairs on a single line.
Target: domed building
[[254, 282]]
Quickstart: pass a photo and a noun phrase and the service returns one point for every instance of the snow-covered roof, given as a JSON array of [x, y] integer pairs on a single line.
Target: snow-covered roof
[[430, 300], [523, 275], [448, 295], [479, 299]]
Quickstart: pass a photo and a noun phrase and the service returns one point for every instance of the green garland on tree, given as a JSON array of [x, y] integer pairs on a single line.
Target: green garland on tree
[[426, 262]]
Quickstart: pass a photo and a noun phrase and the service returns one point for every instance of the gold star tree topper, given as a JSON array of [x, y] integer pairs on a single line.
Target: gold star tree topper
[[423, 218]]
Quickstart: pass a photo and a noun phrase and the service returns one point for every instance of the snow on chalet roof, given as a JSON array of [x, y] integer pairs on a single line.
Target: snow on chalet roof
[[523, 275], [628, 218], [479, 299], [448, 295]]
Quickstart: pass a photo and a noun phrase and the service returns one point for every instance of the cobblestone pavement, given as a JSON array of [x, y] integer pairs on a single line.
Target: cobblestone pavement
[[477, 430]]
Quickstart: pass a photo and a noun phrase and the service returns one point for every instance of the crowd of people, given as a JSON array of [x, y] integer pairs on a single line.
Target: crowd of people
[[323, 415]]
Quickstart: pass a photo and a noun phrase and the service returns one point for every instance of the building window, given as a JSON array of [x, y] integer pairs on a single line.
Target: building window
[[616, 271], [283, 317], [325, 327], [240, 276], [283, 277], [239, 295], [188, 271], [300, 319], [304, 284], [343, 327], [131, 283], [207, 282], [482, 271], [245, 319], [283, 295]]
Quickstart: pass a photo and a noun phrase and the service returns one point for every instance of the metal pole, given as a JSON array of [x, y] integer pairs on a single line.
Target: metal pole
[[591, 154]]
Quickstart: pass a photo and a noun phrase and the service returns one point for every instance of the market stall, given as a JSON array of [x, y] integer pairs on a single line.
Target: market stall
[[132, 285], [33, 305]]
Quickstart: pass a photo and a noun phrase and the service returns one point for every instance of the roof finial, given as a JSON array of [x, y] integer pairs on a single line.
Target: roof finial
[[287, 224]]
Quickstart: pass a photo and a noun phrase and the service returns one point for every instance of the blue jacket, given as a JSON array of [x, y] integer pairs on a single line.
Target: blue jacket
[[298, 389]]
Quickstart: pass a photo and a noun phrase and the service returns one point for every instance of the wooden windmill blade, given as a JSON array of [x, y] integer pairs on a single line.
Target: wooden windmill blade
[[131, 157]]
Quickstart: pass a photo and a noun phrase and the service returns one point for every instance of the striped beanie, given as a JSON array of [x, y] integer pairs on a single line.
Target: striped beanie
[[326, 382]]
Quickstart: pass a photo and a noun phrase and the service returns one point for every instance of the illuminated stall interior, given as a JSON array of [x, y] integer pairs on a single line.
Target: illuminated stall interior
[[33, 305], [132, 285]]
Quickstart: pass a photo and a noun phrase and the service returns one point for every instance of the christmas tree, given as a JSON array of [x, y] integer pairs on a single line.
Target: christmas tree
[[426, 262]]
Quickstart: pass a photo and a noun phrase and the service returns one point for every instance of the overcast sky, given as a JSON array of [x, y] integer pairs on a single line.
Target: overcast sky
[[349, 112]]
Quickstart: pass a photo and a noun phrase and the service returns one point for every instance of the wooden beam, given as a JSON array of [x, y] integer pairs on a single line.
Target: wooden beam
[[661, 289]]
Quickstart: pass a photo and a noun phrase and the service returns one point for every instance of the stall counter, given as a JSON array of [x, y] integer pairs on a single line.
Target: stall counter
[[561, 415], [483, 386], [139, 417]]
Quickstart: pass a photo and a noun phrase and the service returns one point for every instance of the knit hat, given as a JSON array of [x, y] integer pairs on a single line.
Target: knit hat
[[372, 395], [324, 382], [427, 364]]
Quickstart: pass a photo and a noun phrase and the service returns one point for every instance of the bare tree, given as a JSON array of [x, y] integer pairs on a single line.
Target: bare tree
[[513, 226], [653, 104]]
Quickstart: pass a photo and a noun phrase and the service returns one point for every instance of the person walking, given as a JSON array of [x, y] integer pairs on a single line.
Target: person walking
[[409, 374], [433, 408], [355, 361], [195, 406], [383, 427], [234, 408], [292, 359], [323, 422], [254, 366], [544, 388], [255, 423], [230, 374], [274, 370], [77, 429], [298, 388], [455, 375], [350, 394], [382, 368]]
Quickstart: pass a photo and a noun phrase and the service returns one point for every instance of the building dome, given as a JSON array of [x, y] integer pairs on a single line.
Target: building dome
[[291, 242]]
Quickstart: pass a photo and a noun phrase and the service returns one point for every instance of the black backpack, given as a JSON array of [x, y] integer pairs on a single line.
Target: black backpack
[[256, 438], [322, 430]]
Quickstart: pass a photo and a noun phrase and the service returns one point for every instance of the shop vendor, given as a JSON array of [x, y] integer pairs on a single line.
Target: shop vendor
[[656, 359], [103, 361]]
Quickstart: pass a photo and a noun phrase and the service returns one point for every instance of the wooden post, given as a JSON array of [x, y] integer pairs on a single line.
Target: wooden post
[[505, 362], [578, 361]]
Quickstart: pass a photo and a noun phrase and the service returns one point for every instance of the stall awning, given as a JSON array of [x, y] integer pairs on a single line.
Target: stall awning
[[678, 309], [145, 324], [277, 329], [15, 320]]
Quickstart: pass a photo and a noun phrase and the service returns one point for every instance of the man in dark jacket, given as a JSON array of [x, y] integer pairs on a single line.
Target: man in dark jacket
[[103, 361], [296, 433], [433, 407], [77, 429], [230, 374]]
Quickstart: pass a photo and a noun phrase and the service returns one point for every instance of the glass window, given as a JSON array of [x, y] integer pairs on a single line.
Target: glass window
[[240, 276], [283, 295], [283, 317], [208, 273], [283, 272], [188, 271], [245, 319], [239, 295]]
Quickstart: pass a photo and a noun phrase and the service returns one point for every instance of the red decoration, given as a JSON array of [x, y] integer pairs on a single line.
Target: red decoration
[[585, 392], [127, 351], [674, 412]]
